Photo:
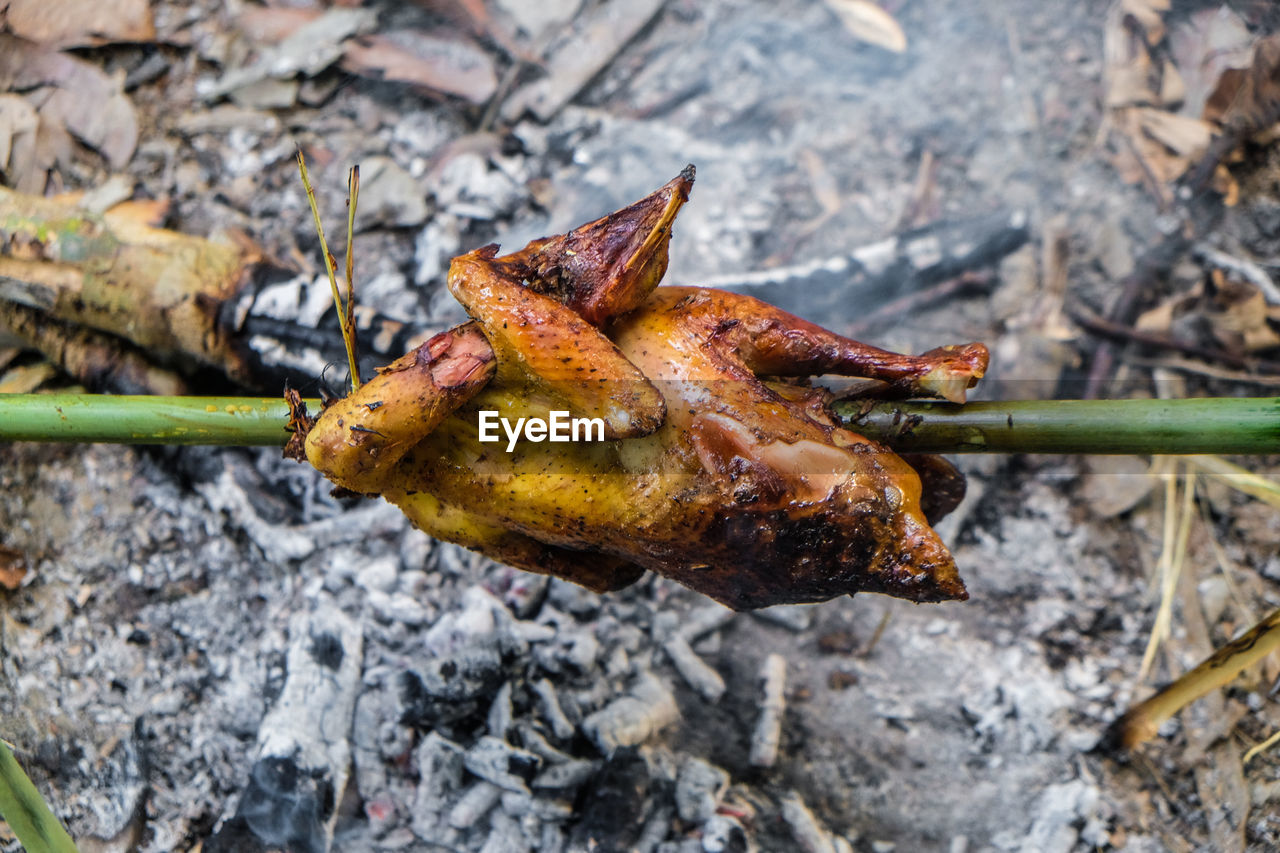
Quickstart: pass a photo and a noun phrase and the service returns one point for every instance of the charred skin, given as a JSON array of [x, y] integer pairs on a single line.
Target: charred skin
[[715, 473]]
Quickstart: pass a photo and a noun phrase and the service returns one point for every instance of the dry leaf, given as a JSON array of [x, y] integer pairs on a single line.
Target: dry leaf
[[67, 23], [1150, 16], [453, 66], [76, 95], [1186, 137], [868, 22], [13, 567], [1158, 319], [1240, 323], [17, 118], [1129, 70], [24, 379], [1249, 97]]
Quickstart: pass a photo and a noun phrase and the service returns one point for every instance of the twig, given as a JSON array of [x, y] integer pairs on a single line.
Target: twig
[[1099, 326], [1141, 722]]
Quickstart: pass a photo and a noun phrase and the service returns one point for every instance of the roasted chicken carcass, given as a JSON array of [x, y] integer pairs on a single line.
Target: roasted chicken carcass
[[700, 457]]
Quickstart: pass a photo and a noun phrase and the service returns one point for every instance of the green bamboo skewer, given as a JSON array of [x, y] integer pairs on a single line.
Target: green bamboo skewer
[[1209, 425]]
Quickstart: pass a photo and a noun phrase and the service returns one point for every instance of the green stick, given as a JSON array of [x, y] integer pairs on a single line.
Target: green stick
[[1211, 425], [1222, 425], [26, 813]]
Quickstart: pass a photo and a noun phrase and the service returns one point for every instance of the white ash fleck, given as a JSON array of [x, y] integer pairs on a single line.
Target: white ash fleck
[[696, 672], [632, 719], [699, 789], [506, 766], [807, 832], [767, 733]]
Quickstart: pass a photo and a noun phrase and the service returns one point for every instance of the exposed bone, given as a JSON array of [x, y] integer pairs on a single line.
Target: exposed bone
[[768, 730], [630, 720]]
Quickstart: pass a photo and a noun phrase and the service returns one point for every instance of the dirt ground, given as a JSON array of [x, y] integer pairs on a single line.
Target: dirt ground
[[149, 638]]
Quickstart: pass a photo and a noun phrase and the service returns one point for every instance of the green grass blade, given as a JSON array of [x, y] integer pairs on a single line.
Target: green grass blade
[[25, 811]]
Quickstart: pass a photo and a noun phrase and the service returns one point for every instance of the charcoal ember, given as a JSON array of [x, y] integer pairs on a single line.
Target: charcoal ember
[[482, 619], [724, 834], [806, 830], [571, 598], [612, 805], [505, 836], [501, 714], [699, 789], [506, 766], [632, 719], [704, 620], [523, 593], [531, 738], [573, 650], [378, 740], [439, 763], [656, 829], [282, 808], [122, 778], [552, 712], [303, 750], [564, 778], [475, 803], [696, 672], [532, 810], [449, 690], [773, 704]]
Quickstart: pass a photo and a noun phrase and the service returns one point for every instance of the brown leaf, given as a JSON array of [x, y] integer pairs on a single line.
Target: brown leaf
[[1186, 137], [1150, 16], [79, 96], [453, 66], [1249, 98], [868, 22], [24, 379], [13, 567], [1240, 323], [67, 23], [1129, 69]]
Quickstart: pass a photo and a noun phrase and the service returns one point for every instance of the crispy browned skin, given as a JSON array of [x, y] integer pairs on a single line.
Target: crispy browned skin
[[741, 488]]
